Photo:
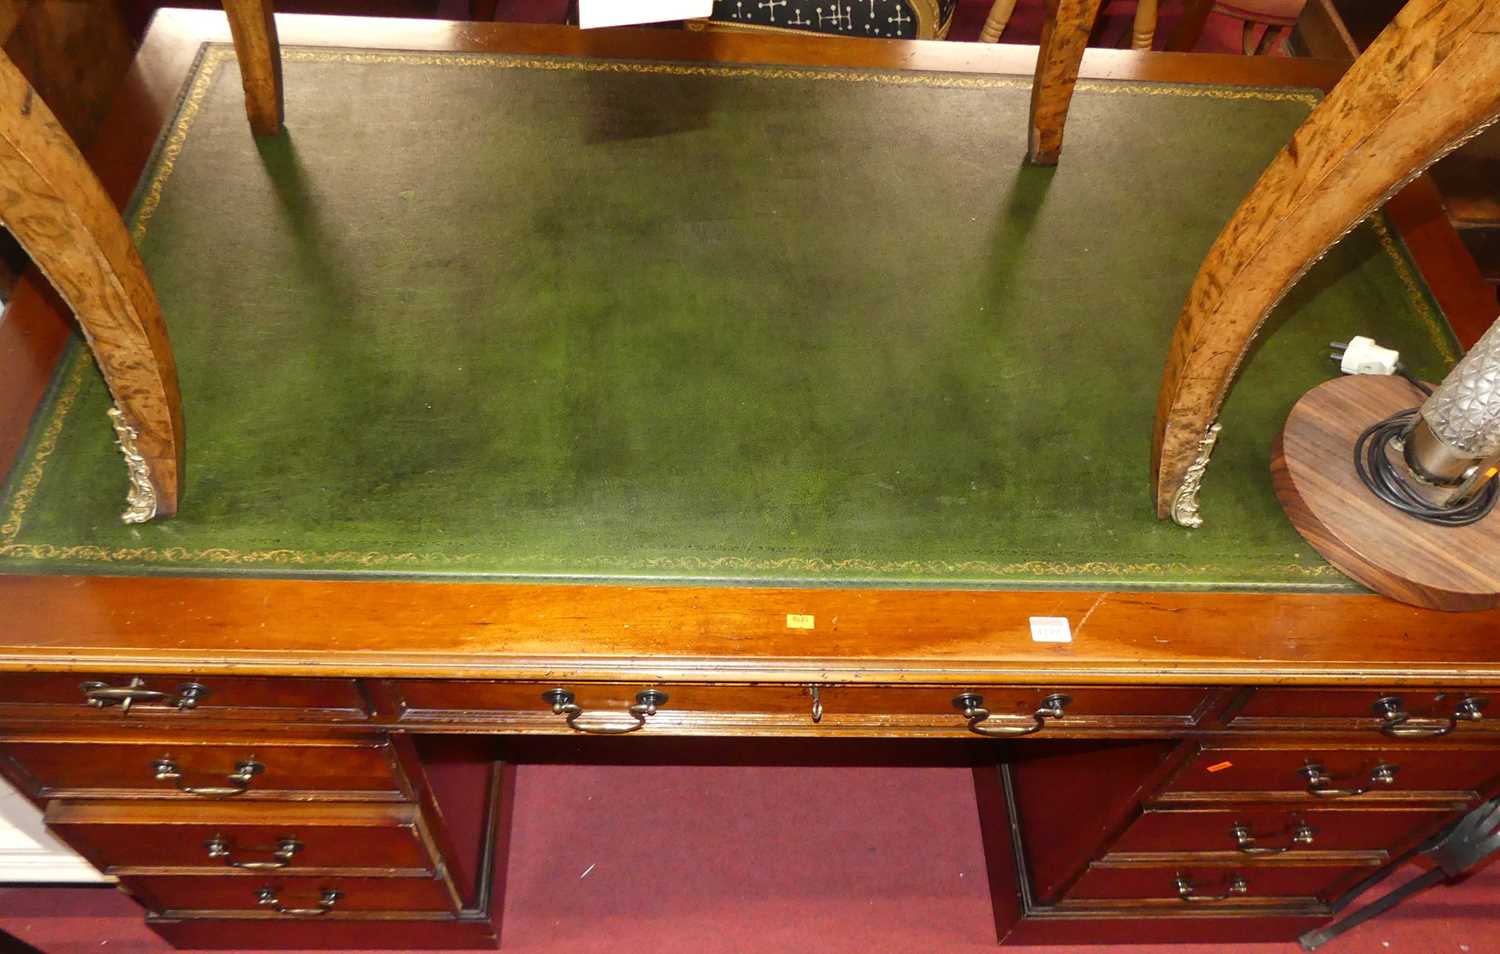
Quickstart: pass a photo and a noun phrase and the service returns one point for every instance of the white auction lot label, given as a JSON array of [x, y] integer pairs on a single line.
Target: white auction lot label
[[1051, 629], [610, 13]]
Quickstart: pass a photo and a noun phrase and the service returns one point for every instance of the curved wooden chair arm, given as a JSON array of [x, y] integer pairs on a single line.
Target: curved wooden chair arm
[[53, 204], [1428, 82]]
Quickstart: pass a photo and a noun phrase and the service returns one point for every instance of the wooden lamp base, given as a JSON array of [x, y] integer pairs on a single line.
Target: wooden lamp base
[[1312, 465]]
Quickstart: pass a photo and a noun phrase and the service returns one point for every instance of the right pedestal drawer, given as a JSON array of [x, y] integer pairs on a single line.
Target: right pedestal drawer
[[1395, 713], [1325, 773], [1189, 887], [1277, 832]]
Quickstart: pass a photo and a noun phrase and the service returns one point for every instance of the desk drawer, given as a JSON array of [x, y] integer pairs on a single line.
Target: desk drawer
[[153, 836], [880, 710], [1315, 773], [182, 699], [1194, 886], [217, 769], [1277, 834], [284, 897], [1402, 714]]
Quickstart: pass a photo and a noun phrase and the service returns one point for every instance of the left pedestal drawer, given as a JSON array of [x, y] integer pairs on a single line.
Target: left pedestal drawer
[[215, 768], [111, 697], [158, 837], [290, 898]]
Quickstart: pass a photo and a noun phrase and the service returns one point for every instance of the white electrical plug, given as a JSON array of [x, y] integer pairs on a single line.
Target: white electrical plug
[[1362, 355]]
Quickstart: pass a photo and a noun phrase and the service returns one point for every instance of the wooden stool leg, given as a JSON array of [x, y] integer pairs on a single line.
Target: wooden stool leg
[[1143, 31], [994, 24], [1065, 34], [253, 27], [55, 207], [1430, 80]]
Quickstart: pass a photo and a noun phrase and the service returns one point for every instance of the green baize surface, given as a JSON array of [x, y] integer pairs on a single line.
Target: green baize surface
[[506, 318]]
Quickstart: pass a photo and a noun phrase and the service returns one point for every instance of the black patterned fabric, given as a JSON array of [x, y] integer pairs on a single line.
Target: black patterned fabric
[[892, 19]]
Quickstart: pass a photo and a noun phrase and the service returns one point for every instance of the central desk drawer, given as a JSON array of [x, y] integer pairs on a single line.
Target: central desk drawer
[[182, 699], [1336, 773], [217, 769], [156, 836], [1266, 833], [1194, 886], [692, 708], [293, 898]]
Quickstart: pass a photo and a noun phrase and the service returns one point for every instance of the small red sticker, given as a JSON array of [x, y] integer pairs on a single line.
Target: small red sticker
[[1219, 766]]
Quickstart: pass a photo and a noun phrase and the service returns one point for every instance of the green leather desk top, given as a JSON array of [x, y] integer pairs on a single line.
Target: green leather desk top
[[518, 318]]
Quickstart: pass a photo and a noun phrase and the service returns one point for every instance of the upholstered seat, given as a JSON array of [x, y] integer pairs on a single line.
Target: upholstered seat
[[890, 19]]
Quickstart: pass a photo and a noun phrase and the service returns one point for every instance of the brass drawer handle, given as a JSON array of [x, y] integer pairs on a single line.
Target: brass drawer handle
[[1319, 780], [101, 695], [167, 771], [285, 849], [1186, 891], [1396, 722], [1245, 840], [646, 703], [326, 901], [972, 706]]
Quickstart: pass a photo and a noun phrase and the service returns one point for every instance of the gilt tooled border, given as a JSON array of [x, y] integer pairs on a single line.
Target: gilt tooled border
[[214, 57]]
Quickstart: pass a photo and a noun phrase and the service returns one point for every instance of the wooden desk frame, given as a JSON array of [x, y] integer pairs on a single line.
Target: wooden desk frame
[[722, 643]]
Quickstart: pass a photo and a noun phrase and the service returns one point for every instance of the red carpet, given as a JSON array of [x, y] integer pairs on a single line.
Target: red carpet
[[719, 860]]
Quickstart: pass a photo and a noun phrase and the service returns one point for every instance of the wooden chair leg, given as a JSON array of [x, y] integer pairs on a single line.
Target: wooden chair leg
[[1429, 81], [1065, 34], [253, 26], [1143, 31], [56, 208], [994, 24]]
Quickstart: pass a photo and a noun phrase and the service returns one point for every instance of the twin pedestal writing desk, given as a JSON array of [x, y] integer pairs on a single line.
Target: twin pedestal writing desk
[[547, 387]]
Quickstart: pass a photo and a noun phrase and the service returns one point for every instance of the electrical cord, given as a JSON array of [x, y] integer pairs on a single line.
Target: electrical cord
[[1379, 476]]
